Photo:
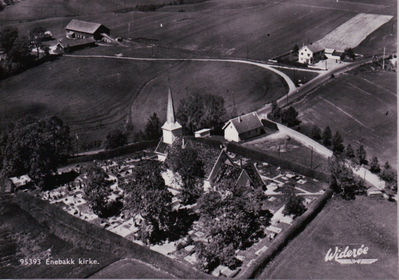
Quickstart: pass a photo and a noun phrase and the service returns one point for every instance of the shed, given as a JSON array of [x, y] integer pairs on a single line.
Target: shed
[[79, 29], [72, 45], [203, 133]]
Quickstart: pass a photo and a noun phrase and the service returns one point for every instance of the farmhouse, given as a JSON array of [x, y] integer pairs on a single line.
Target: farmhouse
[[309, 54], [243, 127], [79, 29], [170, 130]]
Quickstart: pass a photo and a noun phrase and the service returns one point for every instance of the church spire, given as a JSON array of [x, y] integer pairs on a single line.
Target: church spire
[[170, 115]]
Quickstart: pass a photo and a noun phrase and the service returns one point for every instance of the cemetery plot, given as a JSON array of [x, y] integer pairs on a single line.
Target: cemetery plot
[[279, 185]]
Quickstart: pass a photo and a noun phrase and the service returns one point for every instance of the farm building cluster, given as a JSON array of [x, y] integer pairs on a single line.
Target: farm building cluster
[[79, 34]]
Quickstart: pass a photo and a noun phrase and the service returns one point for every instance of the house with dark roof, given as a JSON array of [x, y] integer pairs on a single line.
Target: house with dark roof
[[243, 127], [79, 29]]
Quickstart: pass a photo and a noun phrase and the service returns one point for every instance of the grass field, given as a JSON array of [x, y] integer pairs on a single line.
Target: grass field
[[368, 221], [96, 95], [32, 240], [361, 105]]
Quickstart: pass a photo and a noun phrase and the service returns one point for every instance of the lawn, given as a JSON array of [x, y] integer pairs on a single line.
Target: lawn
[[361, 105], [290, 150], [368, 221]]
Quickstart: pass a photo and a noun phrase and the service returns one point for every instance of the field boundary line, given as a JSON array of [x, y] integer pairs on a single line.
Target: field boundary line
[[346, 113]]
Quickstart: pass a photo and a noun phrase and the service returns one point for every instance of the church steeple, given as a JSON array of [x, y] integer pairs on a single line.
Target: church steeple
[[170, 115], [171, 128]]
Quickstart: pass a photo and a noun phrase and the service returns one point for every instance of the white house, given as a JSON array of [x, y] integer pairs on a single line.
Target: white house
[[243, 127], [307, 54]]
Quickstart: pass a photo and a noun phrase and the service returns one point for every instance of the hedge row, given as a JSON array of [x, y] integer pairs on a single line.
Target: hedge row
[[282, 239], [130, 148], [85, 235]]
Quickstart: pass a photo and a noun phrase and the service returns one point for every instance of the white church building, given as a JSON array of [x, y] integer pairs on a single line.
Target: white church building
[[171, 130]]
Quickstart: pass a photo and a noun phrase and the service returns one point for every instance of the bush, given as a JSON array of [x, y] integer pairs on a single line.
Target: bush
[[115, 138], [295, 206]]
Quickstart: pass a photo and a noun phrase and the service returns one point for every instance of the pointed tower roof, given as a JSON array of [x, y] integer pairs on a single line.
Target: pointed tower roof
[[171, 123], [170, 115]]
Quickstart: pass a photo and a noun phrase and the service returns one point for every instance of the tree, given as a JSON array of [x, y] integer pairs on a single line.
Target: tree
[[342, 179], [185, 162], [8, 35], [290, 117], [295, 49], [199, 111], [361, 155], [348, 53], [36, 38], [388, 175], [147, 195], [374, 165], [275, 114], [35, 147], [153, 128], [232, 221], [350, 153], [20, 52], [316, 133], [295, 206], [97, 189], [337, 144], [115, 138], [327, 136]]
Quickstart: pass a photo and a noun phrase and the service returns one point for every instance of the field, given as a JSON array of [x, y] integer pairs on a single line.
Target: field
[[361, 105], [96, 95], [123, 269], [101, 94], [368, 221], [29, 239], [257, 29], [353, 32]]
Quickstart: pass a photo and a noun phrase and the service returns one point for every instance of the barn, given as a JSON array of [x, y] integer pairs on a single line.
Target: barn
[[243, 127], [79, 29]]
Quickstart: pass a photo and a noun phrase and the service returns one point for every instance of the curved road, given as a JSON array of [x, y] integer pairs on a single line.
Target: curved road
[[290, 83], [369, 177]]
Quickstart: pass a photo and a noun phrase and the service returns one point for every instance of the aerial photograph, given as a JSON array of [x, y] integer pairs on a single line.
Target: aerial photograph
[[198, 139]]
